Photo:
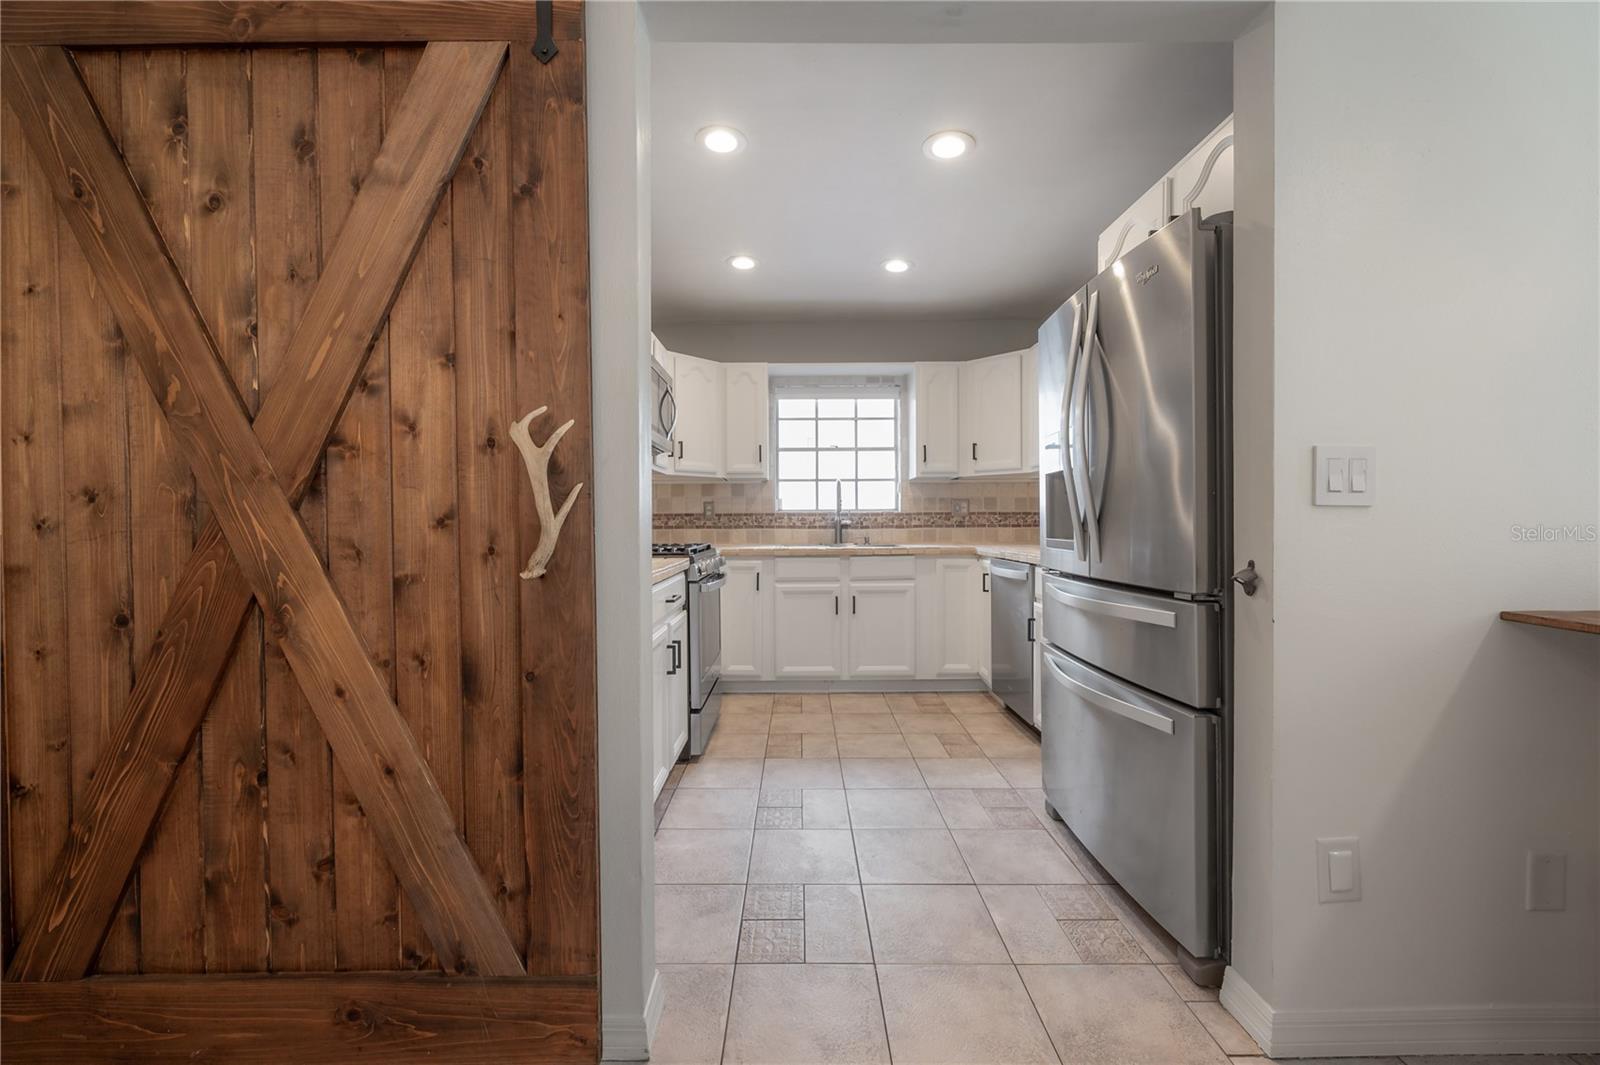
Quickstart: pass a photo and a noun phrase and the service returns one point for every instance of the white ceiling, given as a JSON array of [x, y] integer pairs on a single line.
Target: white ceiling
[[833, 179]]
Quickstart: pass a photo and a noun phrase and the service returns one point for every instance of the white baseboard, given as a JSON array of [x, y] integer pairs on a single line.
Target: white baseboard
[[627, 1037], [1488, 1029]]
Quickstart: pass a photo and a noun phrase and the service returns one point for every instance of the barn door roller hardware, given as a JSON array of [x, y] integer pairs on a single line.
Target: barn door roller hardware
[[544, 40]]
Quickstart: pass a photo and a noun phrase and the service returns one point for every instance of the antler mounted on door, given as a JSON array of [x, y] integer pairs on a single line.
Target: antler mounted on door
[[537, 458]]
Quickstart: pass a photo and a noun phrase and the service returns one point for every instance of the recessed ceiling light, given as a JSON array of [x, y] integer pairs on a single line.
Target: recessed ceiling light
[[742, 262], [948, 144], [896, 266], [724, 140]]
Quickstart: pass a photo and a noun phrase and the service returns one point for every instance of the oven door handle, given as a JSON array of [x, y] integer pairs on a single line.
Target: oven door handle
[[711, 584]]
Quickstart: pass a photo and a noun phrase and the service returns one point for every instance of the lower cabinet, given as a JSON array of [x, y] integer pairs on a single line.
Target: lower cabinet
[[669, 694], [882, 628], [746, 621], [985, 626], [964, 610], [807, 628]]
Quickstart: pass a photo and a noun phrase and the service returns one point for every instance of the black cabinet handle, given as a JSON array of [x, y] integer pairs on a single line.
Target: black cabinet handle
[[985, 582], [673, 669], [1030, 630], [924, 452], [835, 606], [758, 580], [852, 604], [680, 450], [974, 451]]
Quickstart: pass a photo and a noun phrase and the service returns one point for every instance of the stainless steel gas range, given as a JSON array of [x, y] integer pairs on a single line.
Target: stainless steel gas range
[[706, 578]]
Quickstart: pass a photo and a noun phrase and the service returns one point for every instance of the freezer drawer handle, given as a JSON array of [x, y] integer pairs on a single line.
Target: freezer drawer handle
[[1145, 615], [1147, 718]]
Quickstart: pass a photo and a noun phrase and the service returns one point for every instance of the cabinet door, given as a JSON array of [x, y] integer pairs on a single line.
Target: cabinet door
[[935, 419], [1134, 226], [745, 447], [959, 582], [1205, 177], [991, 415], [881, 636], [677, 729], [1030, 409], [808, 629], [660, 702], [697, 386], [747, 620], [983, 631]]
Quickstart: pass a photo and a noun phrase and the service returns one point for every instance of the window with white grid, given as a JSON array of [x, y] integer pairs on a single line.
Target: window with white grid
[[852, 442]]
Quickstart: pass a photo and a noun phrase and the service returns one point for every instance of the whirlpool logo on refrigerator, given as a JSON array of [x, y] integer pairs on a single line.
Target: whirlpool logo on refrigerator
[[1144, 276]]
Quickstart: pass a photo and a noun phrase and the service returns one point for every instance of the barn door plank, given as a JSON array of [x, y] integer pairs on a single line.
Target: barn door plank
[[550, 238], [300, 855], [360, 531], [222, 281], [155, 142], [38, 758], [42, 85], [94, 426], [422, 435], [488, 472]]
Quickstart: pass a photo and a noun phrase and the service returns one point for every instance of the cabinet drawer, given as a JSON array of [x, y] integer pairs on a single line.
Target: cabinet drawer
[[808, 569], [667, 597], [882, 567]]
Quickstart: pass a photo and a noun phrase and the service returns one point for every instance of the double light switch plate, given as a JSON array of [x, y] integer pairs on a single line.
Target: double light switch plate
[[1344, 476]]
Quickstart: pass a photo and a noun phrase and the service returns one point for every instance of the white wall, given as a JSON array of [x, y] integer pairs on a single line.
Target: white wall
[[618, 59], [848, 341], [1436, 278]]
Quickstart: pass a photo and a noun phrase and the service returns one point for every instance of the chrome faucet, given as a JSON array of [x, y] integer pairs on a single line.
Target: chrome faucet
[[840, 522]]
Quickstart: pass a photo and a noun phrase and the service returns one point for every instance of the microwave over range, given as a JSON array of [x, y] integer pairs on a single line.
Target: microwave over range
[[663, 409]]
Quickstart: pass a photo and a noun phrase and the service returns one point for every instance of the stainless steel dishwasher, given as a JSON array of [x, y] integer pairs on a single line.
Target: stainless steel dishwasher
[[1011, 635]]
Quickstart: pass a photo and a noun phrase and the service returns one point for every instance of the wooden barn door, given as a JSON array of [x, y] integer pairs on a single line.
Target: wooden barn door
[[298, 767]]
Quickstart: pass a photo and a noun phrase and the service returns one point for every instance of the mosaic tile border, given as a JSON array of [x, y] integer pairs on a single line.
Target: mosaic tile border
[[976, 519]]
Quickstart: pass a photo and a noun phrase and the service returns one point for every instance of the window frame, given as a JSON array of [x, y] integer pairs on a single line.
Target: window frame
[[842, 390]]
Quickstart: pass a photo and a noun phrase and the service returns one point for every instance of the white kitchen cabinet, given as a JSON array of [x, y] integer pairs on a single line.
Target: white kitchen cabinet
[[984, 633], [1134, 226], [747, 620], [1204, 178], [661, 678], [697, 385], [991, 415], [935, 420], [808, 628], [1030, 409], [677, 725], [958, 583], [882, 629], [745, 446]]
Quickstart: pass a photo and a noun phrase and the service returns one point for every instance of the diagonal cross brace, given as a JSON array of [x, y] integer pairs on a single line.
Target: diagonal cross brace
[[270, 555]]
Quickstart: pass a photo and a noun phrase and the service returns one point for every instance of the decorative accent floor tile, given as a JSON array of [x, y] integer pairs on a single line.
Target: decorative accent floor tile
[[1012, 817], [1102, 942], [1076, 902], [780, 817], [780, 797], [774, 902], [993, 797], [772, 941]]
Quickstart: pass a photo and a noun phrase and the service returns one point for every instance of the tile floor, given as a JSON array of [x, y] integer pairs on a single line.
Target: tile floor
[[867, 878]]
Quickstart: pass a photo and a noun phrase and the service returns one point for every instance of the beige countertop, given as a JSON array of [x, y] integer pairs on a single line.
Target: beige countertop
[[1016, 552], [662, 568]]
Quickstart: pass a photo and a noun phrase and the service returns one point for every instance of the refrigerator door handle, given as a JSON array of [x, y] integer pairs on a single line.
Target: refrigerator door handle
[[1068, 473], [1097, 426], [1167, 619], [1137, 714], [1079, 452]]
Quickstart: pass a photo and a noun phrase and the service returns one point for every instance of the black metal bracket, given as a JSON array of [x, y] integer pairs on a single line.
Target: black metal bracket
[[544, 41]]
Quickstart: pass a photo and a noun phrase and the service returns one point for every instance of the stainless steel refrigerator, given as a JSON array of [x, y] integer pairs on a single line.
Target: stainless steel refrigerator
[[1134, 527]]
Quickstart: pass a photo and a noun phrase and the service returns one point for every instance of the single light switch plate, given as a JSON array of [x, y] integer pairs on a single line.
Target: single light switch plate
[[1344, 476], [1547, 882], [1338, 869]]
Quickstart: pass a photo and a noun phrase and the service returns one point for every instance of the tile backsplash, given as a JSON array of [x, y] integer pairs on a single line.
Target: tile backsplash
[[747, 512]]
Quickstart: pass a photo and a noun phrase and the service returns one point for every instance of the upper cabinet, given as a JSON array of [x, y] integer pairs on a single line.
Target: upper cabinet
[[1030, 408], [1202, 179], [935, 410], [991, 415], [745, 442], [697, 439]]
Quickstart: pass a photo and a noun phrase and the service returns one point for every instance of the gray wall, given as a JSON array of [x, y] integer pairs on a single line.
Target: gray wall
[[847, 341]]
